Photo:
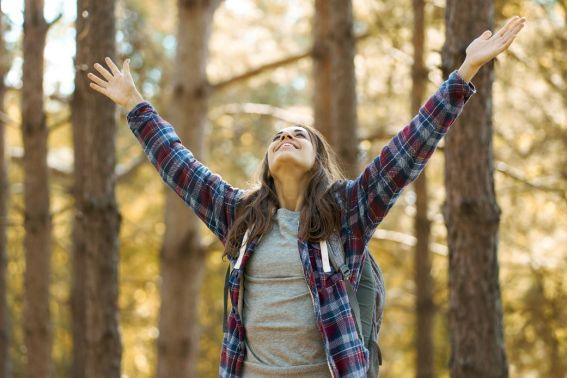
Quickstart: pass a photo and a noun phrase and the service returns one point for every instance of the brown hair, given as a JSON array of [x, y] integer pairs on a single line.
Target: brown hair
[[319, 215]]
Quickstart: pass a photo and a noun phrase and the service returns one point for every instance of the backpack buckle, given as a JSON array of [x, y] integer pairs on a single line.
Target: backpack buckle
[[345, 270]]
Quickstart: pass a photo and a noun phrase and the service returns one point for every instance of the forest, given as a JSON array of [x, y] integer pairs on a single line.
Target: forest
[[105, 272]]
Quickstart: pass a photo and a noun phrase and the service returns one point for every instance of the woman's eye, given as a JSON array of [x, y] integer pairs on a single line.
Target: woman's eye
[[297, 135]]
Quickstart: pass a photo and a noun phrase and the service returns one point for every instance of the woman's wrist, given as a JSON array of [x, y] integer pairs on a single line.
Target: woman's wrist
[[133, 101], [468, 70]]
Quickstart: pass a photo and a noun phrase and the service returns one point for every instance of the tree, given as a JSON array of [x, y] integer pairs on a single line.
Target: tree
[[334, 99], [182, 255], [4, 187], [343, 111], [96, 224], [471, 212], [322, 77], [78, 115], [425, 307], [37, 240]]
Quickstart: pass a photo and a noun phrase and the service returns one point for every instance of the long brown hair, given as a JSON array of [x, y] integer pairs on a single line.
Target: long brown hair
[[319, 216]]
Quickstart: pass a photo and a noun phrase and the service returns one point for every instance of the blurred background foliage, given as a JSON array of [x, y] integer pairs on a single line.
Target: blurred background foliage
[[530, 122]]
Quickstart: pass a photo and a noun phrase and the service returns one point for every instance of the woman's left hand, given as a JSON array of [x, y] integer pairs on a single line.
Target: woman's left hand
[[487, 46]]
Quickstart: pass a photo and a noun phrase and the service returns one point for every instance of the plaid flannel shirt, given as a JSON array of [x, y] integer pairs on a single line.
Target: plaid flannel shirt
[[363, 201]]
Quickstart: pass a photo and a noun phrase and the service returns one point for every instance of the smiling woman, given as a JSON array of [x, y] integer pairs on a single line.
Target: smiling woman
[[300, 200]]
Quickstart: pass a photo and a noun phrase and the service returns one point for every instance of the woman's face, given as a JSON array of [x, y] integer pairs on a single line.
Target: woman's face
[[291, 150]]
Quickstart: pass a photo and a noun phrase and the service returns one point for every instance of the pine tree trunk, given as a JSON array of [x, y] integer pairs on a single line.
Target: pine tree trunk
[[425, 307], [97, 220], [4, 319], [343, 110], [182, 257], [79, 121], [322, 79], [37, 239], [471, 212]]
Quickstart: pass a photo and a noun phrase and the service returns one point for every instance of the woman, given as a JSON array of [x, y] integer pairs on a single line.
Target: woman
[[294, 318]]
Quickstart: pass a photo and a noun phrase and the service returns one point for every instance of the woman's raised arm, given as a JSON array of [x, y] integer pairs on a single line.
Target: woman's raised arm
[[211, 198], [371, 195]]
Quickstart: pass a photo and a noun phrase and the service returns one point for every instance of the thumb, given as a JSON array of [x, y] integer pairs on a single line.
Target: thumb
[[486, 34]]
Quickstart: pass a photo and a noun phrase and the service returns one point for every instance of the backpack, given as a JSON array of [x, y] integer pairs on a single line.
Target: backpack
[[367, 303]]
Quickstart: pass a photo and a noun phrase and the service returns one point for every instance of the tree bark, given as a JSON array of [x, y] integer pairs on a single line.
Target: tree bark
[[96, 225], [4, 187], [78, 120], [322, 78], [343, 110], [471, 212], [182, 256], [37, 223], [425, 307]]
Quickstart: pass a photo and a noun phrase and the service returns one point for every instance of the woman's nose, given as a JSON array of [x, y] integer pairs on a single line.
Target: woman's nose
[[282, 137]]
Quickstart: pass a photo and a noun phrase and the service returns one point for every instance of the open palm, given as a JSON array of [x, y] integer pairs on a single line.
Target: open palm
[[116, 84], [486, 47]]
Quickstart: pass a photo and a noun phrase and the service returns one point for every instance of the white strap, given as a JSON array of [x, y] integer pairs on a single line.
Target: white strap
[[325, 256], [242, 250]]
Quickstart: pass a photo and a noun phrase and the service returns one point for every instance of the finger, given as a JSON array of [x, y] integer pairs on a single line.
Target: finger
[[112, 66], [486, 35], [98, 88], [508, 24], [512, 32], [97, 80], [510, 38], [507, 44], [126, 66], [103, 71]]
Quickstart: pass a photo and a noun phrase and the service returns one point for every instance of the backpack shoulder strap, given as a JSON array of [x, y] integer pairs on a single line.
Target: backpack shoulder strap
[[338, 259], [226, 277], [224, 325], [337, 256]]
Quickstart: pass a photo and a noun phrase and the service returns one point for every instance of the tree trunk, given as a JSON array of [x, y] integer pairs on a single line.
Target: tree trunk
[[182, 257], [471, 212], [97, 220], [4, 319], [322, 79], [79, 120], [425, 307], [343, 107], [37, 239]]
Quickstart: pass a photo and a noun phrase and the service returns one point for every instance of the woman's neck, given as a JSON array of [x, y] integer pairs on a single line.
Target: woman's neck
[[291, 192]]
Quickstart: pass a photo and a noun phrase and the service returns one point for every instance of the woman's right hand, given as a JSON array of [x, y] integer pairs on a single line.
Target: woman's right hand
[[115, 84]]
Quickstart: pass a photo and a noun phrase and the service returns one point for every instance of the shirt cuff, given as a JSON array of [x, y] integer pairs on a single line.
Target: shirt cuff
[[139, 109], [469, 87]]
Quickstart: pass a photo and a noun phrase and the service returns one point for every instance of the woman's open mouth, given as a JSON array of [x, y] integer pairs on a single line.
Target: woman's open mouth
[[286, 144]]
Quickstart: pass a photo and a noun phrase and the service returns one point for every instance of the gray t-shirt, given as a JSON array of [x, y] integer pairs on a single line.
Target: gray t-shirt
[[282, 338]]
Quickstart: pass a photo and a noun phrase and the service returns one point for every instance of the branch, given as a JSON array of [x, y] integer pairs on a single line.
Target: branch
[[408, 240], [57, 124], [4, 117], [55, 20], [258, 70], [123, 172], [64, 169], [270, 66], [509, 172], [262, 110]]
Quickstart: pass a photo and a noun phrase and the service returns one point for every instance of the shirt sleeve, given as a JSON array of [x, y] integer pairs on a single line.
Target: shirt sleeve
[[370, 196], [212, 199]]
